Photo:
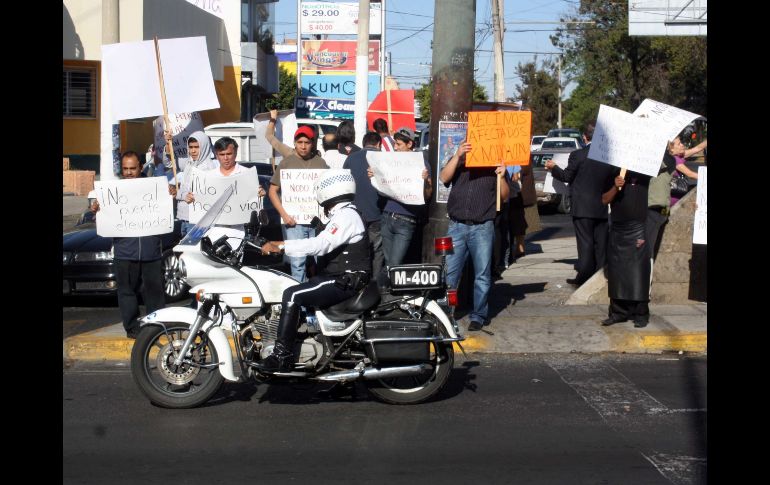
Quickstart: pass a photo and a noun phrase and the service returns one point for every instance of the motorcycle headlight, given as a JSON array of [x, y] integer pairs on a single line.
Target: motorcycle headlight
[[66, 257], [92, 256]]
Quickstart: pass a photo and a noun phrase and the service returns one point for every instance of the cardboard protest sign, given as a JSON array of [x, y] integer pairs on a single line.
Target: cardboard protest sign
[[627, 141], [398, 175], [451, 134], [498, 136], [700, 224], [134, 207], [551, 185], [132, 74], [297, 194], [182, 125], [669, 119], [208, 185], [285, 127]]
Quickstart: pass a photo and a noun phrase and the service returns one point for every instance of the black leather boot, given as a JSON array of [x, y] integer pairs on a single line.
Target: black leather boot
[[282, 357]]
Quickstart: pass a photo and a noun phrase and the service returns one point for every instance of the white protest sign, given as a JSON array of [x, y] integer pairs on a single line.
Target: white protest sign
[[132, 74], [134, 207], [670, 120], [297, 194], [551, 185], [219, 8], [700, 224], [624, 140], [398, 175], [208, 185], [182, 125], [286, 120]]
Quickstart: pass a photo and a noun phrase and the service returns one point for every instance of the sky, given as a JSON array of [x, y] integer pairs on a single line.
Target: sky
[[529, 23]]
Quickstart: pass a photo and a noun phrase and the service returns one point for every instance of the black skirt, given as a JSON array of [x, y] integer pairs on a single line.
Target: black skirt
[[628, 266]]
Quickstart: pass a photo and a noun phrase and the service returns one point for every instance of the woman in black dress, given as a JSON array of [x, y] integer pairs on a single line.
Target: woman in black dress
[[628, 259]]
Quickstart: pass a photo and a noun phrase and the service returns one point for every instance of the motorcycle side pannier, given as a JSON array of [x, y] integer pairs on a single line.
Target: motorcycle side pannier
[[398, 351]]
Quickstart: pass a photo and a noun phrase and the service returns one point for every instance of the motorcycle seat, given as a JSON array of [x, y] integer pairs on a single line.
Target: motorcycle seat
[[355, 306]]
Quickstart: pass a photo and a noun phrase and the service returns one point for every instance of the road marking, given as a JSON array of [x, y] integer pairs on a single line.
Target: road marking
[[678, 469]]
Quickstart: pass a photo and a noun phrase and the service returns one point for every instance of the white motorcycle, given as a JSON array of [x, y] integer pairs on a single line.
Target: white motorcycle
[[399, 342]]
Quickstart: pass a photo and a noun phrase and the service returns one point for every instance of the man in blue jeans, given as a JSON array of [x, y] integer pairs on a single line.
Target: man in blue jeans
[[472, 208], [399, 221], [305, 157]]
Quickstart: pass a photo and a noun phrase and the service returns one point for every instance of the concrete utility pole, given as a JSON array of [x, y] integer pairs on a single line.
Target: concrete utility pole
[[497, 21], [362, 71], [107, 129], [454, 38]]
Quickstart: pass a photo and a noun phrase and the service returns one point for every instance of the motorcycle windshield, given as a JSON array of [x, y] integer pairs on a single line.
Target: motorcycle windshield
[[208, 220]]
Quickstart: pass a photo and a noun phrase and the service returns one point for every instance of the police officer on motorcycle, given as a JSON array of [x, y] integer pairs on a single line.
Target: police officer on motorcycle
[[345, 263]]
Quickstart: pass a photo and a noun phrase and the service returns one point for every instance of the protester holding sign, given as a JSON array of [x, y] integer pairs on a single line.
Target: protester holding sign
[[471, 208], [628, 257], [304, 157], [227, 151], [399, 221], [200, 156], [137, 263], [367, 199], [587, 182]]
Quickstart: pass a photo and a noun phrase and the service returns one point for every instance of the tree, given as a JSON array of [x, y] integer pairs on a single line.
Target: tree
[[538, 91], [287, 91], [423, 96], [613, 68]]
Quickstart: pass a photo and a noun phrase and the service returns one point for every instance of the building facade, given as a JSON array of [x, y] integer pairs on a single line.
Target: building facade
[[240, 51]]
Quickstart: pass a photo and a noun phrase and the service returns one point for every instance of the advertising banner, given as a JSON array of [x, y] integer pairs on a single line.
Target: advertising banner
[[314, 107], [337, 18], [336, 55], [337, 86], [451, 135]]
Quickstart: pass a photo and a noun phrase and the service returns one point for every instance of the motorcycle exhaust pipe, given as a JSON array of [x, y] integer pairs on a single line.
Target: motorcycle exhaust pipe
[[372, 373]]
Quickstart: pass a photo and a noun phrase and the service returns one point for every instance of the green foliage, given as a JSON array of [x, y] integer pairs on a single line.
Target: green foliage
[[539, 92], [613, 68], [287, 91], [424, 92]]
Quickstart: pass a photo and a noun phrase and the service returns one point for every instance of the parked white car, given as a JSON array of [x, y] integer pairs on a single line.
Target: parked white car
[[537, 140], [243, 134], [560, 142]]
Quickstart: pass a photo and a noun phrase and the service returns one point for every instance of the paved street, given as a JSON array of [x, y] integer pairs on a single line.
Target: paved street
[[547, 418]]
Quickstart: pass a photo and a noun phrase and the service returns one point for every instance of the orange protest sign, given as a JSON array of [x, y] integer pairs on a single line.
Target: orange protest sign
[[497, 136]]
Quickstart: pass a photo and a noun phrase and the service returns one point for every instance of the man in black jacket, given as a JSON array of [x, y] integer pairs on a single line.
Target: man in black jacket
[[586, 179], [137, 263]]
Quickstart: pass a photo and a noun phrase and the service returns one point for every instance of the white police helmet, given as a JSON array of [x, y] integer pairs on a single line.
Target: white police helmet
[[335, 185]]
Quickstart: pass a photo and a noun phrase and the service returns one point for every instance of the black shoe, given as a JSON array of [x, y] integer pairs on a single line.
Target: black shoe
[[640, 322], [274, 363], [613, 320], [574, 282], [475, 326]]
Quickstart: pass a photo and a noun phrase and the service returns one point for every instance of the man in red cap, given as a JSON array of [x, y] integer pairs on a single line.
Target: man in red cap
[[304, 157]]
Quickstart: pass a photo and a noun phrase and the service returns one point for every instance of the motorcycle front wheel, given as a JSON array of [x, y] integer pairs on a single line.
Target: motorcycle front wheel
[[419, 388], [152, 366]]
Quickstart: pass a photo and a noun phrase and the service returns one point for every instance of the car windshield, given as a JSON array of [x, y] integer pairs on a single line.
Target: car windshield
[[558, 144], [538, 139], [208, 220]]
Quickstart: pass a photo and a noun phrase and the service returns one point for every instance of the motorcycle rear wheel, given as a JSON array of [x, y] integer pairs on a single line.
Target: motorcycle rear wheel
[[169, 386], [420, 388]]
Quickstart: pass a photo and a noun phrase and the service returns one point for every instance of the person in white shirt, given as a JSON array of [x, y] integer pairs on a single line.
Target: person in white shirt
[[345, 268]]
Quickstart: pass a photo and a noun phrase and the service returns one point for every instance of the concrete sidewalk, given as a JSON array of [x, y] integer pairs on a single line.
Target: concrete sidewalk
[[528, 315]]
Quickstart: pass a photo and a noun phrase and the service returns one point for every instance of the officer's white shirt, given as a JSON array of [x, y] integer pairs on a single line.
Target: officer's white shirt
[[345, 226]]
